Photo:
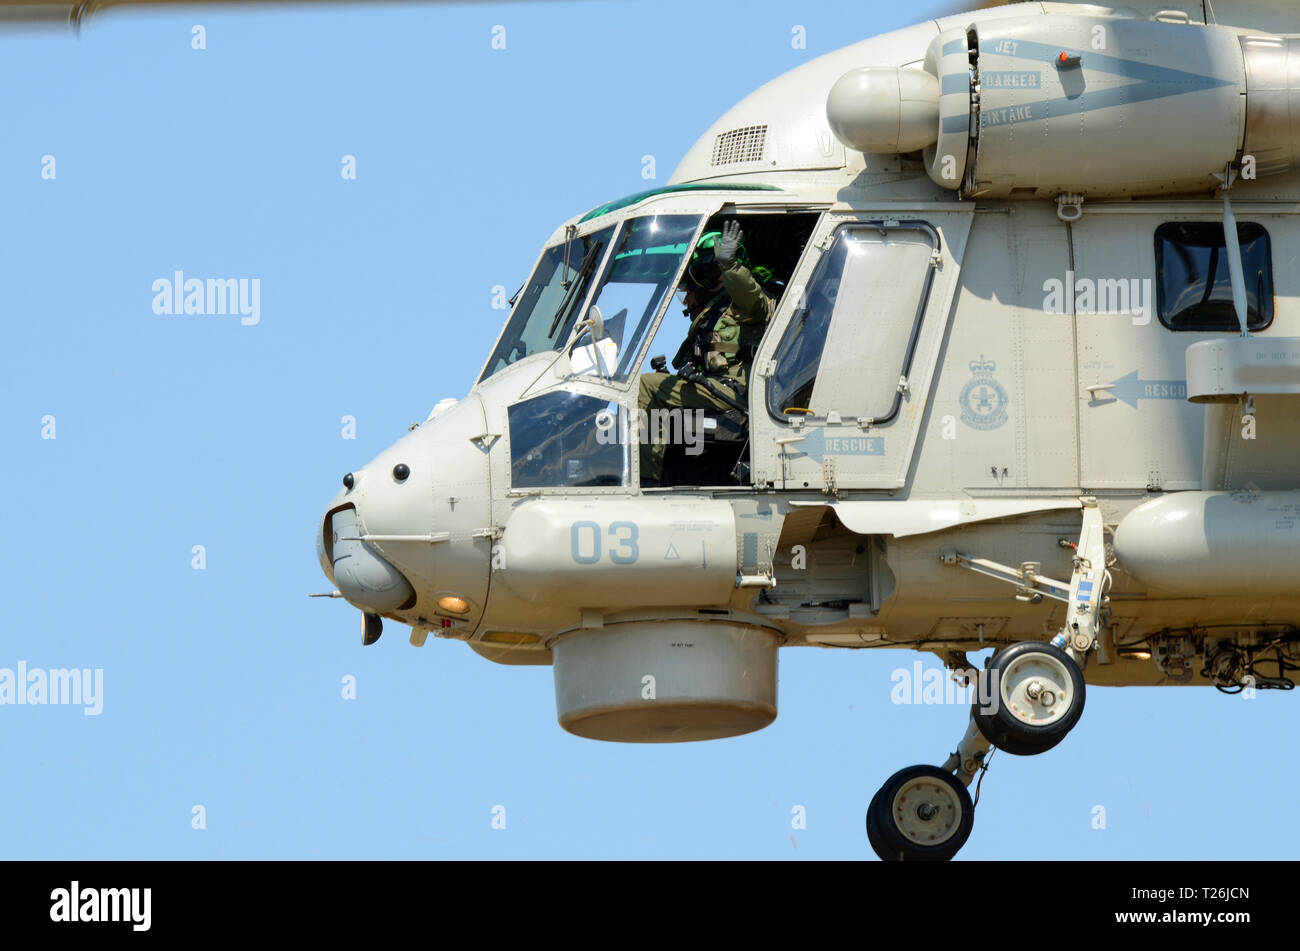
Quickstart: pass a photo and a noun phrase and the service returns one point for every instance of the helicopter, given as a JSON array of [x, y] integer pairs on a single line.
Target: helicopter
[[1025, 386]]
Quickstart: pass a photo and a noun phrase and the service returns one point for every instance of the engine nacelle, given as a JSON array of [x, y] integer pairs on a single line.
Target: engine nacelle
[[1035, 107], [1203, 544]]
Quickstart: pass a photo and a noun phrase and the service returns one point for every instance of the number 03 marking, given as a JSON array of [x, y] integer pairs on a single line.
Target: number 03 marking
[[585, 537]]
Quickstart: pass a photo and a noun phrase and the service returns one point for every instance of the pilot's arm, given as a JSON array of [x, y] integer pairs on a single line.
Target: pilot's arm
[[746, 294]]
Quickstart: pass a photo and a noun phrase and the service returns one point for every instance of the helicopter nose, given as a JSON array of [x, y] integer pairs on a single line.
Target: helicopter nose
[[362, 576], [410, 536]]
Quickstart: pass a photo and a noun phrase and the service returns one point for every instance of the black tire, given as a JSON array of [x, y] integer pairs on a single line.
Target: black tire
[[952, 825], [372, 626], [873, 828], [1012, 727]]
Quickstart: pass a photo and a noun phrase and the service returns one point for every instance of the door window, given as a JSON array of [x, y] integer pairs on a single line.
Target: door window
[[850, 345]]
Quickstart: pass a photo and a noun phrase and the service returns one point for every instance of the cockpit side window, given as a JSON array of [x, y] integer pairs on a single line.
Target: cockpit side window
[[566, 439], [800, 351], [544, 315]]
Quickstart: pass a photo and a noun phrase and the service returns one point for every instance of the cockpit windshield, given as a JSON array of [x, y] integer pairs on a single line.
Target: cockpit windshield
[[545, 313], [641, 273]]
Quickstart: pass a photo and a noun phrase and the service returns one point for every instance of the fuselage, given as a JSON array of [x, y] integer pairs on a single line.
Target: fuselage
[[957, 366]]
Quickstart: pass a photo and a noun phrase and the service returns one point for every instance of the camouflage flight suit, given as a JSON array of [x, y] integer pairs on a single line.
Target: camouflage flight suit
[[721, 342]]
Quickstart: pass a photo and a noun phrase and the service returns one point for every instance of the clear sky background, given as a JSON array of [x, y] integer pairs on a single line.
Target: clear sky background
[[222, 687]]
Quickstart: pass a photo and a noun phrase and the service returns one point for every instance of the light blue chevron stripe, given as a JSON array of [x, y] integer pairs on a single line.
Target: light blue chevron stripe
[[1151, 82], [954, 83], [959, 123], [1100, 62]]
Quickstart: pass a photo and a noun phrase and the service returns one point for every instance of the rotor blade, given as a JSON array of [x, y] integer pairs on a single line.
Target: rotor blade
[[35, 13], [951, 8], [75, 12]]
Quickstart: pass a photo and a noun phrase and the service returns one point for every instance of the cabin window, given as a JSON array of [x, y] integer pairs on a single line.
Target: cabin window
[[850, 345], [1193, 287]]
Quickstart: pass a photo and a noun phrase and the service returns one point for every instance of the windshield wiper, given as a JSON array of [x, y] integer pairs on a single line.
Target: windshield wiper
[[570, 232], [584, 272]]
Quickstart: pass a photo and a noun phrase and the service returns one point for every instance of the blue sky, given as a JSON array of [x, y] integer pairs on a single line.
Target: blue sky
[[222, 686]]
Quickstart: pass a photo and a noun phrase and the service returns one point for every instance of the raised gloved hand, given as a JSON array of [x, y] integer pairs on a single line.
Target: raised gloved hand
[[727, 248]]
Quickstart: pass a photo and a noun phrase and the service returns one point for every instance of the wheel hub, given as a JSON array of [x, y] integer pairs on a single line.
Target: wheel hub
[[926, 811], [1033, 688]]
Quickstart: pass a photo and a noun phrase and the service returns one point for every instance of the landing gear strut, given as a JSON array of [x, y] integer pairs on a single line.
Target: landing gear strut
[[1031, 695]]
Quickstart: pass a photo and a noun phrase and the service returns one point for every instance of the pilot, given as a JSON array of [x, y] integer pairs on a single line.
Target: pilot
[[729, 310]]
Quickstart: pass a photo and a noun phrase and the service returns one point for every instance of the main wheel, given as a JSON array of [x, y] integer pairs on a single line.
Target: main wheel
[[1031, 695], [920, 814]]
